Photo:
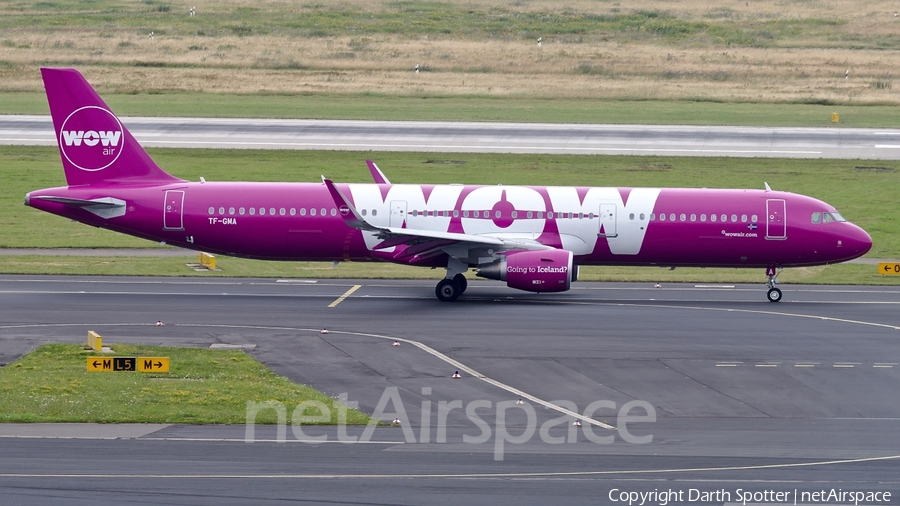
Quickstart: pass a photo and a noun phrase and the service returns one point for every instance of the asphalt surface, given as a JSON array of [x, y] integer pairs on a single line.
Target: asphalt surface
[[672, 140], [748, 396]]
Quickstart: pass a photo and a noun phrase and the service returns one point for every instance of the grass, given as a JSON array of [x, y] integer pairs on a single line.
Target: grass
[[866, 197], [51, 384], [462, 108], [766, 51]]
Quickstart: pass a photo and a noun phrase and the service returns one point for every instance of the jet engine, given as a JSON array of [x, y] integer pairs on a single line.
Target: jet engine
[[533, 271]]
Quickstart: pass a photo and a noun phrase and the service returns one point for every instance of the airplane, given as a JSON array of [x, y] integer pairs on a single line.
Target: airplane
[[533, 238]]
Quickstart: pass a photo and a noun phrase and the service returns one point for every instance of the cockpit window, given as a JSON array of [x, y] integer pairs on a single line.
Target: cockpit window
[[827, 217]]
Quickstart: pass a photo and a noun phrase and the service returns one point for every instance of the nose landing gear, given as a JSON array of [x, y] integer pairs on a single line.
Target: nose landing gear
[[774, 294]]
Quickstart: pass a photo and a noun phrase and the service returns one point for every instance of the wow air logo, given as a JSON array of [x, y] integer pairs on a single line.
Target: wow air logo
[[91, 138]]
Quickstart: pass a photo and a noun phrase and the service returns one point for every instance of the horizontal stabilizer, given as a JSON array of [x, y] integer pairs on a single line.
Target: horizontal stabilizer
[[105, 207], [104, 202]]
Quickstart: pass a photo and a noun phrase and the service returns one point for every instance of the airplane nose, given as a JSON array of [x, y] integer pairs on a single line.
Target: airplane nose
[[856, 242]]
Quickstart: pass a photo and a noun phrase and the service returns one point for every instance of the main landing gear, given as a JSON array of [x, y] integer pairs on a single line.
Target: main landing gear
[[455, 284], [774, 294], [448, 290]]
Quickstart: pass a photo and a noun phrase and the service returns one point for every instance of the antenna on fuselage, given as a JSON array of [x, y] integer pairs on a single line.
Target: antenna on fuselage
[[767, 186]]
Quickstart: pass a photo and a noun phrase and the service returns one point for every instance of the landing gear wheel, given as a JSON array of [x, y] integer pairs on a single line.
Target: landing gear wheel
[[462, 282], [447, 290], [774, 295]]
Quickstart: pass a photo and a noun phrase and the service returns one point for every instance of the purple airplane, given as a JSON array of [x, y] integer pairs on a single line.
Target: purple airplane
[[533, 238]]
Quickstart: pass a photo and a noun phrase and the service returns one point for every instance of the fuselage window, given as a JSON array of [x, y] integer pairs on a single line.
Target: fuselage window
[[221, 210], [683, 217], [693, 217], [530, 215], [252, 211], [631, 216], [816, 217], [662, 216], [642, 216], [724, 217], [671, 216], [549, 215], [374, 212], [456, 213], [262, 211], [652, 216], [515, 214], [231, 210], [734, 218], [540, 214], [364, 212], [465, 214], [282, 211], [212, 210], [312, 211], [754, 218], [712, 218], [333, 211], [293, 211], [241, 211], [303, 211], [703, 217], [743, 218], [323, 211], [272, 211]]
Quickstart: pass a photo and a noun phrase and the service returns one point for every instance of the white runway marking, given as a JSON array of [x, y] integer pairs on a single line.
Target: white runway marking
[[548, 474]]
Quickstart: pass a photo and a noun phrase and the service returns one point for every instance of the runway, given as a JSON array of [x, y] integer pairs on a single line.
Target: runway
[[747, 395], [673, 140]]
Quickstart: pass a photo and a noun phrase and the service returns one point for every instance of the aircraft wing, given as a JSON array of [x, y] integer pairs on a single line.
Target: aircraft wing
[[424, 240]]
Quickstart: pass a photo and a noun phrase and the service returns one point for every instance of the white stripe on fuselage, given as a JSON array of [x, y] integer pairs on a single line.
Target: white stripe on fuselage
[[576, 235]]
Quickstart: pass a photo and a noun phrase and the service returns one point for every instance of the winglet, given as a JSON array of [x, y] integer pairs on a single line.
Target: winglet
[[767, 186], [349, 213], [377, 175]]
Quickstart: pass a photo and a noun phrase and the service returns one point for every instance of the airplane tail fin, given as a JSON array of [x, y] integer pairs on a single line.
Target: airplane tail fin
[[94, 145]]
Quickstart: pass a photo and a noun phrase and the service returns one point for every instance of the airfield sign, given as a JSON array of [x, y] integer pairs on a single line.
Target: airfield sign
[[889, 268], [140, 364]]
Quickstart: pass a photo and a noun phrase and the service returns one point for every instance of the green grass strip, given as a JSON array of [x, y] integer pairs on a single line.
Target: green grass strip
[[51, 384], [475, 108]]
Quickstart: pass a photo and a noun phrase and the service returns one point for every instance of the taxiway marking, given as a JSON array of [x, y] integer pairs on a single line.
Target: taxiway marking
[[346, 294]]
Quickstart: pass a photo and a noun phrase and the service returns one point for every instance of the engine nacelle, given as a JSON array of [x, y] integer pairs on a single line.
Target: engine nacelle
[[534, 271]]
